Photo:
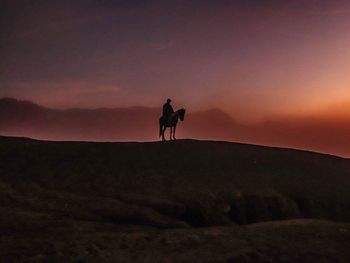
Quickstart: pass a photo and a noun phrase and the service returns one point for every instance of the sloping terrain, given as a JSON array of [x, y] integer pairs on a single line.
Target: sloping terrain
[[205, 200]]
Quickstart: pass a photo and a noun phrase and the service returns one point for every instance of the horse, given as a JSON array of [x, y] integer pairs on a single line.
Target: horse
[[171, 122]]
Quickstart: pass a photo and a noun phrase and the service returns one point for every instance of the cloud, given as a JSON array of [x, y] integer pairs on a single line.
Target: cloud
[[332, 12], [63, 93], [59, 25], [161, 45]]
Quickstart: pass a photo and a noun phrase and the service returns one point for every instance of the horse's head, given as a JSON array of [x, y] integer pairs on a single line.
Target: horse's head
[[181, 113]]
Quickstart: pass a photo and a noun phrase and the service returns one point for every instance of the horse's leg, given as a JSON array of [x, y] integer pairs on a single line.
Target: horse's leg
[[163, 131], [174, 132]]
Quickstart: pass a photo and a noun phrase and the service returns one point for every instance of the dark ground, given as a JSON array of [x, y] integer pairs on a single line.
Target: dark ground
[[183, 201]]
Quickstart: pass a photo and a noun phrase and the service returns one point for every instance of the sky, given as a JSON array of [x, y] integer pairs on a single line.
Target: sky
[[253, 59]]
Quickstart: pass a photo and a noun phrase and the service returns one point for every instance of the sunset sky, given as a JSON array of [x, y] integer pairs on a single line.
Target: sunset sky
[[252, 59]]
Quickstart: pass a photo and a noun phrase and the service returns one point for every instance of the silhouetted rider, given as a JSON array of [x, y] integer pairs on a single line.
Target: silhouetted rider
[[167, 110]]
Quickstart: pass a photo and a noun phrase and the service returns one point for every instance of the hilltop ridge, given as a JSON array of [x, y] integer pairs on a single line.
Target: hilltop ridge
[[248, 183]]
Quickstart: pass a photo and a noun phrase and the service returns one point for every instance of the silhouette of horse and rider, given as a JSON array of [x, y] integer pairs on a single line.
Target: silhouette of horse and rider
[[170, 119]]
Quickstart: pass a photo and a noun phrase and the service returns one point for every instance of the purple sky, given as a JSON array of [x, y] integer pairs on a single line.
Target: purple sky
[[252, 59]]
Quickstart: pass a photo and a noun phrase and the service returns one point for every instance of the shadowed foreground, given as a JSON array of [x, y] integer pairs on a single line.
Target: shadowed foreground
[[181, 201]]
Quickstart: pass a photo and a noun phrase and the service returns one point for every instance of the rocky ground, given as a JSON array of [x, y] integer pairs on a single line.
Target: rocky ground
[[184, 201]]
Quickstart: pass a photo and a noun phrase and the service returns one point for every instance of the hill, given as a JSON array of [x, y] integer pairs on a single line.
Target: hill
[[101, 202]]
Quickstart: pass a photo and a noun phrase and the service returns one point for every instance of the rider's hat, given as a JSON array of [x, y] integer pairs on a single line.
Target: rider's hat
[[168, 100]]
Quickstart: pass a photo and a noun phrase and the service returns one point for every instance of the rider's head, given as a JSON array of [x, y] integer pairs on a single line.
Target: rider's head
[[168, 100]]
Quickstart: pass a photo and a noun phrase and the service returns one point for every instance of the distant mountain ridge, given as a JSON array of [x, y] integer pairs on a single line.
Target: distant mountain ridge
[[24, 118], [27, 119]]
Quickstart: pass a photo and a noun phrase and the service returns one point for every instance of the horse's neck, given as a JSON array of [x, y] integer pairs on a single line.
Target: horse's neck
[[174, 116]]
